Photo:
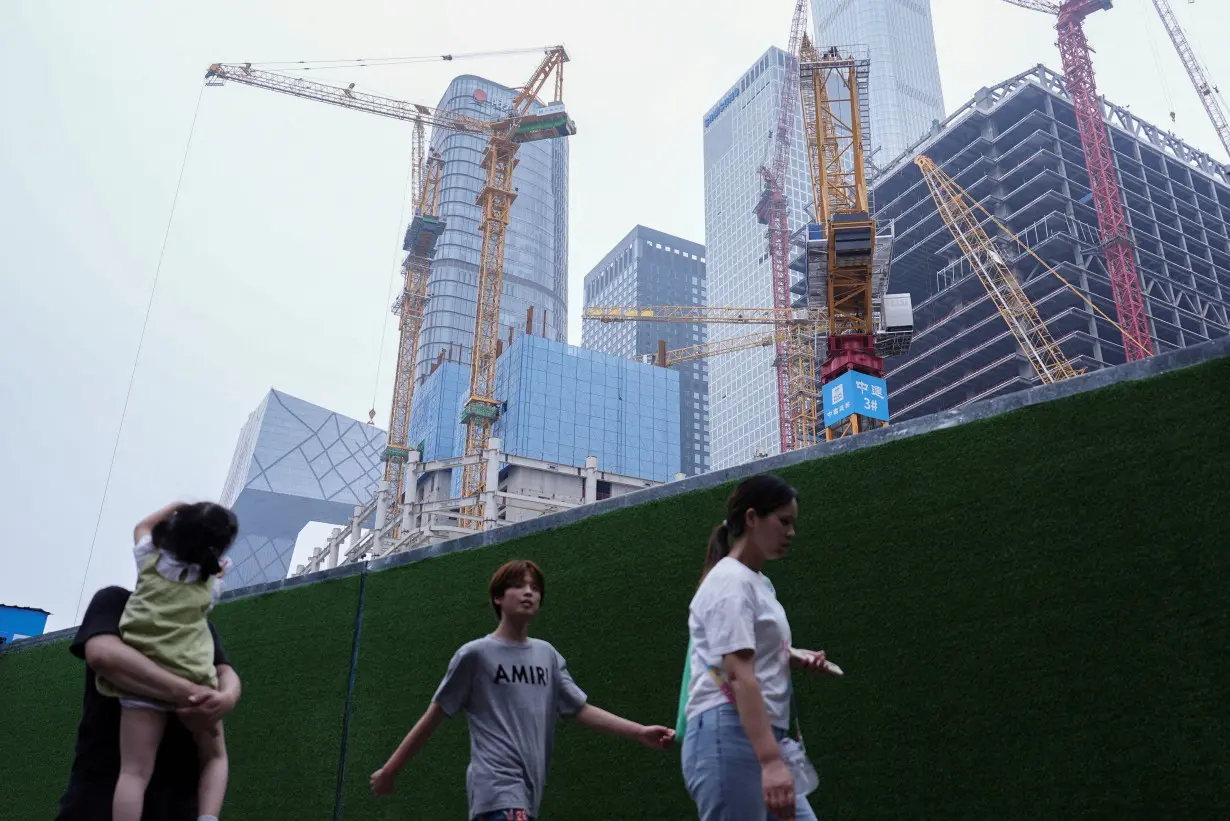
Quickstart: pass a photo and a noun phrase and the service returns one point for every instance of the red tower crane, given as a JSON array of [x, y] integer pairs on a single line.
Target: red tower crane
[[773, 210], [1108, 201]]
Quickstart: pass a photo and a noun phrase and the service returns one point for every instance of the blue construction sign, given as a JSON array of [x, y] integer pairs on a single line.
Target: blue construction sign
[[854, 392]]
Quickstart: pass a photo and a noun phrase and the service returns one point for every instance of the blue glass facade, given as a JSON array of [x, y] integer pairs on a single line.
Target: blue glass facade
[[434, 417], [561, 404], [536, 249], [564, 403]]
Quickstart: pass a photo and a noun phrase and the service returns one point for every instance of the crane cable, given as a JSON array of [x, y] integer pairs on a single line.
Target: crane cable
[[375, 62], [1058, 276], [1160, 71], [132, 377]]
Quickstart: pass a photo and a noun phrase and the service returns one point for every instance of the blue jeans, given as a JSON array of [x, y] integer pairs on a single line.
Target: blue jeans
[[504, 815], [721, 772]]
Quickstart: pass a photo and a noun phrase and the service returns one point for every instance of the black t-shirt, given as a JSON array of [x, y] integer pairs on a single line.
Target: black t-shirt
[[171, 795]]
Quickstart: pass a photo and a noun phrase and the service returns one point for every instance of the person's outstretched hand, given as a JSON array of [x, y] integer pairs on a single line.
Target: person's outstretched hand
[[656, 736], [383, 782], [813, 661]]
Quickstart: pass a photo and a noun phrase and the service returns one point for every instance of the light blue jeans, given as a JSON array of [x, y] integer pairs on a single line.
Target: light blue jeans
[[721, 772]]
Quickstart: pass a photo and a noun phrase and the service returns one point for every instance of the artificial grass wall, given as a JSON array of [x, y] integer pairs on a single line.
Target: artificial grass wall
[[1031, 612]]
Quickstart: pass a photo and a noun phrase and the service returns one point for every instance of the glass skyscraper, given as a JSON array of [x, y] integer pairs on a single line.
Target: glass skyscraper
[[536, 249], [648, 267], [904, 94], [743, 417]]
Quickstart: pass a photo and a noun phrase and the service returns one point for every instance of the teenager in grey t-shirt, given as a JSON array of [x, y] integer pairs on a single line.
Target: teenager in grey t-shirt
[[512, 688], [511, 694]]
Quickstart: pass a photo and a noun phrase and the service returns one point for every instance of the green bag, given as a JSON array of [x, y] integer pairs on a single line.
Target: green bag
[[681, 718]]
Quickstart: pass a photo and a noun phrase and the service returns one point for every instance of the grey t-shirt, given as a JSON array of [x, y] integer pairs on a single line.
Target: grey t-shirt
[[512, 694]]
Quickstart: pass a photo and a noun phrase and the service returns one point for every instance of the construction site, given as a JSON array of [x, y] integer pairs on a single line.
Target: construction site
[[1037, 233], [945, 344]]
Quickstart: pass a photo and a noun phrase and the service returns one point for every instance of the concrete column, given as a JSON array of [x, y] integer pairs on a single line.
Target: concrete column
[[491, 481], [384, 494], [356, 526], [591, 480], [410, 495], [334, 547]]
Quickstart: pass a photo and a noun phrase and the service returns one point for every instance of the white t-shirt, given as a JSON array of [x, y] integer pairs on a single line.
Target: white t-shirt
[[736, 609]]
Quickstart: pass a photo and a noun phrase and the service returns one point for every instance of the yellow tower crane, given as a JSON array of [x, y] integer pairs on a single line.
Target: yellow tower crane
[[1031, 333], [521, 125], [844, 272], [425, 228]]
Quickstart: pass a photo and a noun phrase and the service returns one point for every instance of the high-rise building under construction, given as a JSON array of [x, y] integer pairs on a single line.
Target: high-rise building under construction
[[738, 134], [1016, 149], [904, 89], [536, 251]]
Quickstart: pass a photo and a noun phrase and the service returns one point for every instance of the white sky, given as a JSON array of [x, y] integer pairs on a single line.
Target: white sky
[[279, 263]]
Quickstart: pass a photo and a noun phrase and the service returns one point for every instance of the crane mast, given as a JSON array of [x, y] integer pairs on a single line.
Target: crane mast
[[1108, 200], [773, 210], [496, 199], [425, 229], [1044, 354], [833, 96], [1210, 96]]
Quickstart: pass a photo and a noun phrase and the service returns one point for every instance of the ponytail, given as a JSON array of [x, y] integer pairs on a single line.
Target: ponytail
[[719, 547], [764, 494]]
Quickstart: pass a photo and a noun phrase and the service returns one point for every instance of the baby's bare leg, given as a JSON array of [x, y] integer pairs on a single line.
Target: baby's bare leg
[[140, 733], [211, 747]]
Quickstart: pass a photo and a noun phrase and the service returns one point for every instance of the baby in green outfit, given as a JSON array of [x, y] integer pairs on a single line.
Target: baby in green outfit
[[179, 554]]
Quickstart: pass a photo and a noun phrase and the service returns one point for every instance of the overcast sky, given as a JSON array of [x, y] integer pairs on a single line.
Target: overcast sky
[[287, 232]]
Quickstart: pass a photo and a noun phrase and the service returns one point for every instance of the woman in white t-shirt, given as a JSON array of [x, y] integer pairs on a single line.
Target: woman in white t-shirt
[[738, 704]]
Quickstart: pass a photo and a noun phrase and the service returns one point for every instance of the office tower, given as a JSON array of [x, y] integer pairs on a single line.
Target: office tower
[[1016, 149], [536, 249], [738, 129], [294, 463], [904, 92], [648, 267]]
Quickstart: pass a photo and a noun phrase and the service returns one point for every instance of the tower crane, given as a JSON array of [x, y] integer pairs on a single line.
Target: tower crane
[[845, 270], [425, 228], [1044, 354], [1210, 95], [504, 137], [773, 210], [1107, 198]]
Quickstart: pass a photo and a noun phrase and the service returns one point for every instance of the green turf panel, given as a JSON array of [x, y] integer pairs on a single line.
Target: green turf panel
[[1030, 611], [292, 650], [42, 690]]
